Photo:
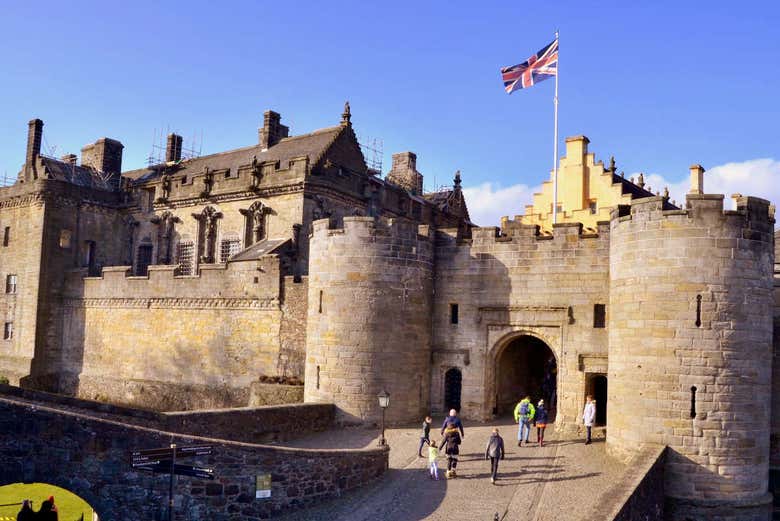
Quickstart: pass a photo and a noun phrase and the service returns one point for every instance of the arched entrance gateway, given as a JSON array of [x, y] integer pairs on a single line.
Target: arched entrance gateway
[[526, 366]]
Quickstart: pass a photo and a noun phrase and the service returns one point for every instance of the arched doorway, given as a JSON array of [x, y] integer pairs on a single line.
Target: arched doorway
[[526, 367], [452, 387], [597, 388]]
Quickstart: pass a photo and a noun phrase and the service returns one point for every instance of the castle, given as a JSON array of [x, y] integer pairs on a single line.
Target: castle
[[177, 285]]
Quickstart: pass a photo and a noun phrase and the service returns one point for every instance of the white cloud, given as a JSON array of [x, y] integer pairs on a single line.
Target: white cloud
[[489, 202], [756, 177]]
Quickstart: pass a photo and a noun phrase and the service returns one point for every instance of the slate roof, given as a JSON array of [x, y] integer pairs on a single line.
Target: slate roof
[[313, 145], [636, 191], [75, 174], [258, 249]]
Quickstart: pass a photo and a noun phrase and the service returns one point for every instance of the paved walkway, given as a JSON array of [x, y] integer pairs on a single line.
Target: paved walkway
[[561, 481]]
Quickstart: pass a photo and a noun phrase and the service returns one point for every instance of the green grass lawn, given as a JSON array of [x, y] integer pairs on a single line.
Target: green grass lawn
[[69, 505]]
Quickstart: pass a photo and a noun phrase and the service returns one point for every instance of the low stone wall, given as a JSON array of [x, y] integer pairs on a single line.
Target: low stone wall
[[254, 425], [274, 394], [91, 457], [247, 424], [639, 495]]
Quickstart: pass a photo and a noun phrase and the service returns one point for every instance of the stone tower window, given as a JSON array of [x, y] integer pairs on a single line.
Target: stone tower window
[[453, 314], [693, 401], [6, 235], [10, 284], [320, 308], [229, 246], [8, 331], [184, 255], [593, 207], [698, 310], [318, 377], [599, 315]]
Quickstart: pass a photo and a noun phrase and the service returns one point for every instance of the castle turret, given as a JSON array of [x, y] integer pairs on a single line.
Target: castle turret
[[369, 318], [690, 349]]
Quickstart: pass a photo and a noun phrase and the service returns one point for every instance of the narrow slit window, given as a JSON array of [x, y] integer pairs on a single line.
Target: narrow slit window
[[693, 401], [318, 377], [320, 308], [599, 316], [698, 310], [6, 235], [453, 314], [8, 331]]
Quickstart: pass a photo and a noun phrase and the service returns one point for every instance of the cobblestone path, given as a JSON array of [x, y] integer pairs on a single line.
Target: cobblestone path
[[561, 481]]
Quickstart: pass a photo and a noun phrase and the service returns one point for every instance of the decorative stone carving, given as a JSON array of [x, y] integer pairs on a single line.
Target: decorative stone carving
[[208, 182], [322, 209], [208, 233], [165, 185], [166, 224], [257, 174], [130, 226], [255, 222]]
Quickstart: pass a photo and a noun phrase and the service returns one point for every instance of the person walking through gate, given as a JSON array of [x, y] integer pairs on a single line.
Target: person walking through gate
[[426, 433], [452, 450], [494, 452], [453, 421], [588, 416], [524, 414], [540, 420]]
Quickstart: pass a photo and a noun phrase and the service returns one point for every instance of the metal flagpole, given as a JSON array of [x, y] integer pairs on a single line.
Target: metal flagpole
[[555, 146]]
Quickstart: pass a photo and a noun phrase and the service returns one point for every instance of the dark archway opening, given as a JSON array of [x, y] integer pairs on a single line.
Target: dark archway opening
[[526, 367], [597, 388], [452, 388]]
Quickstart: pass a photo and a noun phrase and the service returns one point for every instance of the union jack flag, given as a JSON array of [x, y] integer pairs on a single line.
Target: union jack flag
[[539, 67]]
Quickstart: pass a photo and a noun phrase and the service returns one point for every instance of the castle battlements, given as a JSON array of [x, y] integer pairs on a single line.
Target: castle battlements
[[359, 226], [751, 213]]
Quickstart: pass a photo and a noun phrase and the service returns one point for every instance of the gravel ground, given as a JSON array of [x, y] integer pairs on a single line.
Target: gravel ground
[[560, 481]]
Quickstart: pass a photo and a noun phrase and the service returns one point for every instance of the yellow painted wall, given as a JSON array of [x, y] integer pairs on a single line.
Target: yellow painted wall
[[580, 180]]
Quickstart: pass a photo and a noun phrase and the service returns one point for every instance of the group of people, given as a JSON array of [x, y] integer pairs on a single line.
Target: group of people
[[47, 512], [526, 415]]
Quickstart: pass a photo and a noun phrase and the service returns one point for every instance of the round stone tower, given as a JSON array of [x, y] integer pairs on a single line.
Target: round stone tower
[[369, 318], [690, 349]]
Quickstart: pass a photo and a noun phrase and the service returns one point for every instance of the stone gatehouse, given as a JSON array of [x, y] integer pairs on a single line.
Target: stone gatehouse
[[179, 284]]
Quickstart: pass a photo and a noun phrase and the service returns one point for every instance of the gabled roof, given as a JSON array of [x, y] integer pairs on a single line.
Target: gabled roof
[[448, 201], [311, 145], [75, 174]]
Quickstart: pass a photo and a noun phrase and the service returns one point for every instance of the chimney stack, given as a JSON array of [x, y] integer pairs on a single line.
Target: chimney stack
[[404, 172], [273, 131], [34, 137], [697, 179], [173, 148], [104, 155]]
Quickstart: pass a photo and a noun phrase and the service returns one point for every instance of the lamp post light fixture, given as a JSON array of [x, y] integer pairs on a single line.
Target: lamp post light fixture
[[384, 403]]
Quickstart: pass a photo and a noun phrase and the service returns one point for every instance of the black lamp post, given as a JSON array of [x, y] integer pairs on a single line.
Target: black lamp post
[[384, 403]]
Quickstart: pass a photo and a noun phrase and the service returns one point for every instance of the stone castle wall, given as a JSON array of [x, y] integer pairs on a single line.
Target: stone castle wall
[[690, 292], [368, 330], [184, 341], [512, 284]]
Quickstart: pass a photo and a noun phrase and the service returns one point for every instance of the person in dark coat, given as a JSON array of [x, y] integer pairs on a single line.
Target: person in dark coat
[[452, 442], [426, 435], [48, 511], [26, 513], [453, 421], [494, 452], [541, 422]]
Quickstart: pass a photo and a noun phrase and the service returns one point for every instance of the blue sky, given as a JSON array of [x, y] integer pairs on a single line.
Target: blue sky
[[657, 84]]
